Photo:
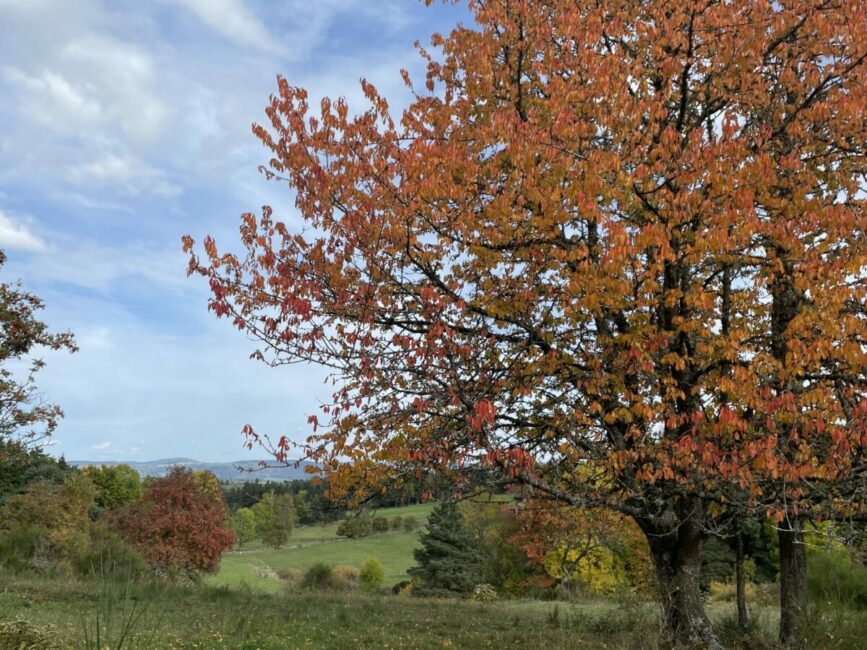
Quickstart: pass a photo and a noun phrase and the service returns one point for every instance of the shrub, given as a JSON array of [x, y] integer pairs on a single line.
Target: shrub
[[346, 577], [320, 577], [21, 635], [484, 593], [410, 523], [18, 546], [372, 573], [402, 588], [358, 526], [46, 528], [833, 578], [379, 525], [109, 556], [396, 522]]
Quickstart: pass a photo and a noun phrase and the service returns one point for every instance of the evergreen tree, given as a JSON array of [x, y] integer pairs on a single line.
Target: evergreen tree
[[449, 561]]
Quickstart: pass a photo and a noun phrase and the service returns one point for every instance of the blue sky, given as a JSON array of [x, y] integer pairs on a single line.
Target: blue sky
[[123, 126]]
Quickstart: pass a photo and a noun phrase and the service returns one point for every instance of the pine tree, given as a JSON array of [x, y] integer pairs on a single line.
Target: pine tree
[[449, 561]]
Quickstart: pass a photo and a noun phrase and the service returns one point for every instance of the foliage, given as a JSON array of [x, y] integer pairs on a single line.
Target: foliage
[[496, 526], [320, 577], [379, 525], [24, 416], [310, 498], [21, 465], [594, 549], [620, 234], [46, 528], [109, 557], [372, 574], [243, 522], [359, 524], [274, 517], [178, 528], [484, 593], [346, 577], [717, 562], [21, 635], [834, 579], [448, 561], [117, 485]]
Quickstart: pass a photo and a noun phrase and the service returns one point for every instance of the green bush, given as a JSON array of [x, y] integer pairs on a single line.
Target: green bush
[[18, 546], [372, 573], [361, 525], [109, 556], [396, 522], [319, 577], [410, 523], [379, 525], [834, 579]]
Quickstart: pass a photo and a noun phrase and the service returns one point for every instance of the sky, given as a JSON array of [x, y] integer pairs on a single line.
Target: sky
[[125, 125]]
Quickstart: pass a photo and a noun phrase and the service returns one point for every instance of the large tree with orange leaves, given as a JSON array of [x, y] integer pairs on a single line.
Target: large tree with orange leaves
[[608, 234]]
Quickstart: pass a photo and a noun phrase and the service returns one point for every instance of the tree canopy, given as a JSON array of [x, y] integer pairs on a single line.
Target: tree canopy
[[25, 417], [614, 250]]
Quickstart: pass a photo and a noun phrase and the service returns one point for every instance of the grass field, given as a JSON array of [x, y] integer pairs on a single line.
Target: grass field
[[211, 617], [257, 568]]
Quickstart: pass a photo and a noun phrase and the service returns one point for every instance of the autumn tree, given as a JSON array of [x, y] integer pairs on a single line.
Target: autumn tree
[[598, 549], [179, 527], [609, 234], [25, 417]]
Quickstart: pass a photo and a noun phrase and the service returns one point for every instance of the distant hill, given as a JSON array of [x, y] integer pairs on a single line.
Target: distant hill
[[223, 471]]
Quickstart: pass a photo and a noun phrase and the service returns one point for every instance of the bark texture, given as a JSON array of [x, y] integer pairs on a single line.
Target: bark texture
[[793, 583], [676, 554]]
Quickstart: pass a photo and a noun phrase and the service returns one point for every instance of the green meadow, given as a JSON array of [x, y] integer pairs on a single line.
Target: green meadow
[[260, 568]]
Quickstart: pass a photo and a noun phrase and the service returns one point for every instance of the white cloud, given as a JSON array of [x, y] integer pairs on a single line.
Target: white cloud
[[17, 235], [124, 173], [233, 20], [101, 267], [102, 446]]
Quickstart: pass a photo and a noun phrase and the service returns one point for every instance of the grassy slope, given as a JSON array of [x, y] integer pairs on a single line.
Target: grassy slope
[[257, 567]]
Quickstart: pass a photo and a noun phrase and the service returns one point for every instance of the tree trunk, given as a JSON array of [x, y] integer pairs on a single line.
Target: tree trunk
[[743, 616], [676, 557], [793, 582]]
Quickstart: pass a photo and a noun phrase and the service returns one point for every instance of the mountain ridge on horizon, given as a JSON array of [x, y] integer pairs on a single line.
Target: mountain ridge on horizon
[[224, 471]]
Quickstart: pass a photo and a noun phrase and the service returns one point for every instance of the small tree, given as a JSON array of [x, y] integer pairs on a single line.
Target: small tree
[[244, 524], [177, 527], [449, 562], [275, 517], [372, 574]]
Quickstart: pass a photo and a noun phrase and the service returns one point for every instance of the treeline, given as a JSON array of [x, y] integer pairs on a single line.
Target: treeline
[[63, 520], [309, 498]]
